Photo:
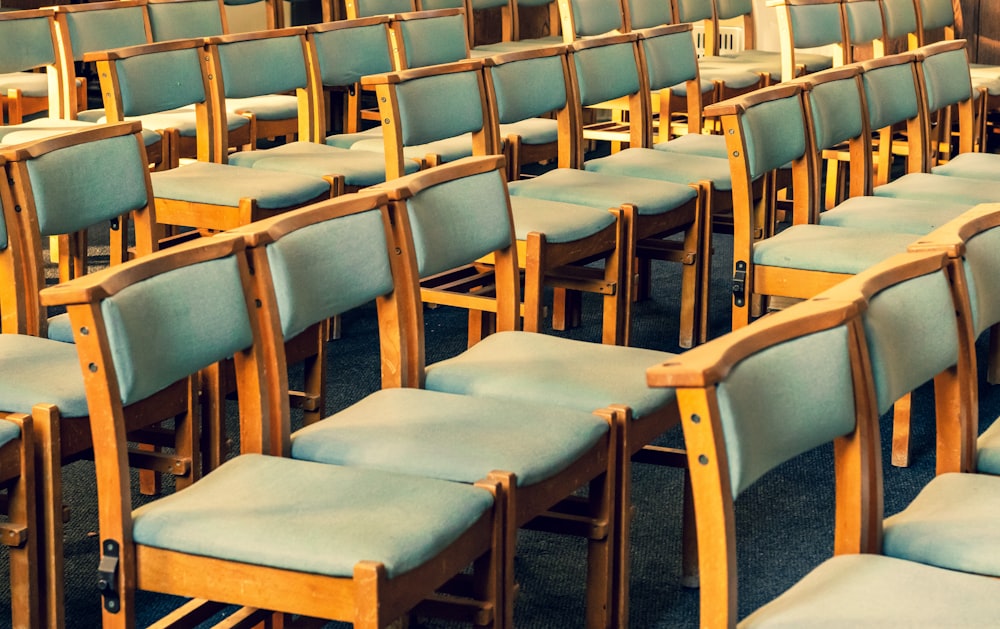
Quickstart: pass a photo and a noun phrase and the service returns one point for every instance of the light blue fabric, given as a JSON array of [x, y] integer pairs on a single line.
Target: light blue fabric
[[161, 81], [9, 431], [346, 55], [182, 119], [971, 166], [173, 324], [802, 409], [383, 7], [105, 29], [693, 10], [35, 370], [774, 134], [665, 166], [60, 329], [831, 249], [815, 25], [485, 50], [982, 263], [649, 13], [359, 168], [434, 40], [733, 76], [897, 80], [936, 14], [733, 8], [267, 106], [262, 66], [703, 144], [224, 184], [851, 591], [546, 369], [26, 44], [328, 268], [952, 523], [447, 150], [947, 78], [532, 131], [596, 17], [606, 72], [37, 129], [952, 189], [459, 221], [988, 450], [864, 21], [329, 517], [439, 106], [451, 437], [347, 140], [912, 335], [558, 222], [73, 190], [836, 112], [529, 88], [900, 17], [31, 84], [670, 59], [597, 190], [184, 20], [910, 216]]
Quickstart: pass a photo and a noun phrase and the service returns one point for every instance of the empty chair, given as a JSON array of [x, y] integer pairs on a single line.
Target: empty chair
[[425, 38], [185, 19], [371, 565], [809, 356]]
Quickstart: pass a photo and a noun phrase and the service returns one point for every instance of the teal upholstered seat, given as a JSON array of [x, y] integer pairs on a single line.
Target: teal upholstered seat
[[37, 129], [9, 431], [30, 84], [334, 517], [559, 222], [570, 185], [40, 370], [224, 184], [887, 214], [950, 189], [829, 248], [446, 150], [671, 166], [359, 168], [347, 140]]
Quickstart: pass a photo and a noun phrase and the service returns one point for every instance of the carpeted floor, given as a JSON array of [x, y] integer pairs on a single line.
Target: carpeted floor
[[784, 520]]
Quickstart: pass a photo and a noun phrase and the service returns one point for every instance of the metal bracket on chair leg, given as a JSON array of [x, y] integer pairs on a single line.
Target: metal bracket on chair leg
[[107, 576], [739, 284]]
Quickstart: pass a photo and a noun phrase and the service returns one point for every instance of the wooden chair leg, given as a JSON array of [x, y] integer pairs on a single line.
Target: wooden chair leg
[[48, 469], [567, 306], [26, 606], [901, 432]]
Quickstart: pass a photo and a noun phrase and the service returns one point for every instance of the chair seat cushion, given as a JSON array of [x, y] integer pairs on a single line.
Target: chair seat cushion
[[240, 512], [346, 140], [359, 168], [971, 166], [598, 190], [60, 328], [35, 370], [911, 216], [517, 45], [988, 450], [831, 249], [448, 149], [559, 222], [953, 189], [224, 184], [451, 437], [533, 131], [547, 369], [704, 144], [37, 129], [665, 166], [769, 61], [31, 84], [874, 591], [267, 107], [952, 523], [732, 75], [181, 119], [9, 431]]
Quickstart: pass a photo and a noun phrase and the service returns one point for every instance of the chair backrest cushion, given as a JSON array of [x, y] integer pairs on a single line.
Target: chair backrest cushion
[[946, 76], [864, 21], [605, 73], [671, 59], [982, 267], [434, 40], [268, 65], [649, 13], [815, 25], [346, 55], [900, 17], [106, 29], [891, 95], [440, 106], [328, 268], [160, 81], [936, 14], [774, 132], [529, 88], [727, 9], [25, 44], [694, 10], [596, 17], [184, 20], [836, 110]]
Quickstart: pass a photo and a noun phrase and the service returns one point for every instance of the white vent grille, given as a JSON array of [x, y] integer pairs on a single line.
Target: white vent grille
[[730, 39]]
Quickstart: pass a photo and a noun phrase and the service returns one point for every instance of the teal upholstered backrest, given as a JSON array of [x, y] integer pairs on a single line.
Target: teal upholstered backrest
[[184, 20], [605, 72], [936, 13], [262, 66], [982, 267], [106, 29], [529, 88], [649, 13], [487, 4], [80, 185], [596, 17], [900, 17], [808, 401], [328, 268], [440, 106], [460, 221], [836, 111], [173, 324], [947, 78], [912, 335], [346, 55], [670, 59], [367, 8], [693, 10], [434, 40], [891, 94], [733, 8], [431, 5], [160, 81], [864, 21], [774, 133], [25, 44], [815, 24]]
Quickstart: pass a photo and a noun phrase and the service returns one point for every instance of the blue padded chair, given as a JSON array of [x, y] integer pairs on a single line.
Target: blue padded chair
[[369, 8], [425, 38], [440, 112], [544, 452], [343, 555], [652, 209], [186, 19], [809, 356]]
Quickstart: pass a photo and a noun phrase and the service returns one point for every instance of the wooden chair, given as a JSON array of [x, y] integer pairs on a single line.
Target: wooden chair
[[440, 112], [425, 38], [268, 16], [350, 560], [368, 8], [651, 209], [812, 358], [469, 433], [186, 19]]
